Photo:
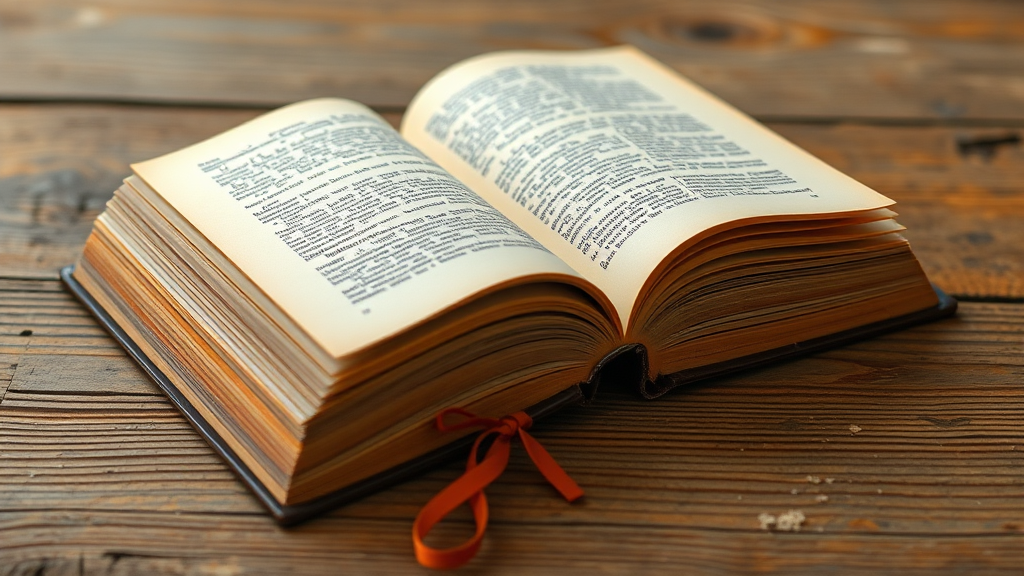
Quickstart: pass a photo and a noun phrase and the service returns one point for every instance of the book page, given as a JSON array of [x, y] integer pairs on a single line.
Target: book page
[[613, 160], [351, 231]]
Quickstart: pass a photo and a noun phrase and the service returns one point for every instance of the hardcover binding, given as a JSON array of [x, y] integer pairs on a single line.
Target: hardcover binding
[[663, 383], [627, 365]]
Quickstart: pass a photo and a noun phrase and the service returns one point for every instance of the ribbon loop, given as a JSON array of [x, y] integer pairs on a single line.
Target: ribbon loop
[[479, 474]]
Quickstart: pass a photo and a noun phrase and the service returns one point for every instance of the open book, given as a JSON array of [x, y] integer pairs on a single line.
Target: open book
[[312, 287]]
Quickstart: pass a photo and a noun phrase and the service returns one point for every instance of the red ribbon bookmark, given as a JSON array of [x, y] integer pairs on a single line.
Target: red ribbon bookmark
[[470, 486]]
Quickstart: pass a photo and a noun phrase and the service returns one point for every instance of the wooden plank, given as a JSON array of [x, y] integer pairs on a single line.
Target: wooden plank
[[958, 191], [963, 206], [101, 472], [167, 544], [45, 319], [59, 374], [7, 367], [60, 165], [934, 59]]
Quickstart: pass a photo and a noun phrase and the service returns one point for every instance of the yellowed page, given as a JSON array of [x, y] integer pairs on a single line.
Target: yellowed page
[[612, 160], [353, 233]]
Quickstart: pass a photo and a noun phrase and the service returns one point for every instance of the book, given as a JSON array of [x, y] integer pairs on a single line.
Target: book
[[312, 287]]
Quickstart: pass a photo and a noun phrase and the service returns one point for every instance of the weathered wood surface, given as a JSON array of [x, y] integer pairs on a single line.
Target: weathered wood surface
[[932, 59], [959, 192], [98, 470], [960, 198], [922, 100]]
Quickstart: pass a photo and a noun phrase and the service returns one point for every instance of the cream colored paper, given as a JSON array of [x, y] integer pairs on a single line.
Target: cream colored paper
[[224, 186], [483, 117]]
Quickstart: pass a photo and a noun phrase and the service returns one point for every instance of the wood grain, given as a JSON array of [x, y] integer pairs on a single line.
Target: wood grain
[[920, 99], [99, 471], [959, 192], [963, 208], [42, 318], [61, 164], [925, 59], [169, 544]]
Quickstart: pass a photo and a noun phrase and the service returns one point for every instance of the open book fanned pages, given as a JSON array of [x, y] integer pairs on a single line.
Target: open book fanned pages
[[313, 287]]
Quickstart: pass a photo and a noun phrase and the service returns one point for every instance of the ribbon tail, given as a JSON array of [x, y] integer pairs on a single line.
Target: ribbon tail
[[554, 473]]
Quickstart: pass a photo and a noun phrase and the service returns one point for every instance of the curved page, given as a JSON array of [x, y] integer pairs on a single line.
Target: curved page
[[613, 160], [352, 232]]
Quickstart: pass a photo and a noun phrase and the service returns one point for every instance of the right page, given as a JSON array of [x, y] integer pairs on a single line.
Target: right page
[[613, 161]]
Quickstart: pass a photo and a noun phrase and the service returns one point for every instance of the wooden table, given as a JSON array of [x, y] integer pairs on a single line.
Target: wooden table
[[904, 453]]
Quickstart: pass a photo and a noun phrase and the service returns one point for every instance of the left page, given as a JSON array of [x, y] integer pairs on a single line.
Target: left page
[[349, 230]]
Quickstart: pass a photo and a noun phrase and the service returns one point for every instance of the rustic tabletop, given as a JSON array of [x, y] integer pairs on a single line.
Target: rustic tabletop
[[904, 454]]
